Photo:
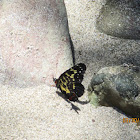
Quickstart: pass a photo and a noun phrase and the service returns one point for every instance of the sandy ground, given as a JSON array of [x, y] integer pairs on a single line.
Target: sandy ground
[[38, 113]]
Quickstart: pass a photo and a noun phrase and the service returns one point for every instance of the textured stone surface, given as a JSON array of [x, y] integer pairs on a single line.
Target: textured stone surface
[[120, 18], [117, 86], [35, 44]]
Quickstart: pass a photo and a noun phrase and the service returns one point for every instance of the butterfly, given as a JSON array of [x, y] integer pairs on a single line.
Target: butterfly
[[69, 82]]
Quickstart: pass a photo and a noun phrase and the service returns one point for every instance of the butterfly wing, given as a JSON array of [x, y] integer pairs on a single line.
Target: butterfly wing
[[70, 82], [76, 72], [76, 92]]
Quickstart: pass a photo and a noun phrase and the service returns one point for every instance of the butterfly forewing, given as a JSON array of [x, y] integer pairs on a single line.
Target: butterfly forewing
[[70, 82], [77, 72]]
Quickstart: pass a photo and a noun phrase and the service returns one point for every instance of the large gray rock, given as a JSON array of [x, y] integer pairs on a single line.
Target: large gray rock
[[120, 18], [117, 86], [34, 41]]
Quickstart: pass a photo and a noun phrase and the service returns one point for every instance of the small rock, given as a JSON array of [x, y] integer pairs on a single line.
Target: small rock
[[117, 86]]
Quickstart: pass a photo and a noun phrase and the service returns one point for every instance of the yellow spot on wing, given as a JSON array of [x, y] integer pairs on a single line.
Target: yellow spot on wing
[[71, 76], [67, 74], [64, 81], [73, 86], [75, 71], [64, 89]]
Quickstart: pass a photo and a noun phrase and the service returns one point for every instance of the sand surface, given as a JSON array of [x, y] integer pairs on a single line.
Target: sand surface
[[39, 113]]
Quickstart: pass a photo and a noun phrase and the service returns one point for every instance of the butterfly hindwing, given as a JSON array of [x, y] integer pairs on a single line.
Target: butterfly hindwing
[[79, 89]]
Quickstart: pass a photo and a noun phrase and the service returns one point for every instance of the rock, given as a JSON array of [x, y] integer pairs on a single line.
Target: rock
[[117, 86], [120, 18], [35, 42]]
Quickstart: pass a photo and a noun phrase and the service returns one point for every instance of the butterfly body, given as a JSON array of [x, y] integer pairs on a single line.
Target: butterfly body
[[69, 82]]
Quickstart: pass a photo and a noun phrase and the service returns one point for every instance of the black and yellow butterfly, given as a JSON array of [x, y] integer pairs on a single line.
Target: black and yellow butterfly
[[69, 82]]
